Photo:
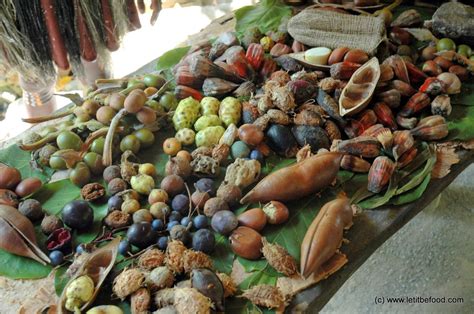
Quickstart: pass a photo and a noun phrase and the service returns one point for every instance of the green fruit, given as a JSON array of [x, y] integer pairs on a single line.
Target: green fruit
[[185, 136], [146, 137], [186, 113], [168, 101], [239, 150], [153, 80], [230, 111], [98, 145], [69, 140], [153, 104], [209, 136], [94, 162], [209, 106], [471, 58], [465, 50], [445, 44], [207, 121], [57, 163], [133, 82], [80, 175], [130, 142]]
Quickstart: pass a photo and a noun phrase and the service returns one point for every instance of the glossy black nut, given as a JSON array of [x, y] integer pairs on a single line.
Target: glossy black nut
[[141, 234], [78, 214]]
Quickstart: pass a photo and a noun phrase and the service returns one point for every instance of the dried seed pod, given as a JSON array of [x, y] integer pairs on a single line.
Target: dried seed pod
[[278, 117], [289, 64], [246, 89], [195, 259], [308, 117], [415, 104], [443, 63], [283, 99], [367, 118], [183, 92], [127, 282], [189, 300], [310, 77], [364, 146], [460, 72], [408, 18], [416, 75], [355, 164], [140, 301], [400, 36], [277, 78], [337, 55], [279, 258], [386, 73], [242, 173], [279, 50], [431, 128], [433, 86], [269, 66], [402, 142], [353, 129], [165, 297], [161, 277], [329, 84], [385, 115], [392, 98], [265, 103], [431, 68], [255, 55], [264, 295], [379, 174], [356, 56], [332, 130], [399, 68], [404, 88], [324, 235], [330, 106], [221, 152], [407, 123], [201, 66], [174, 256], [205, 166], [150, 259], [441, 105], [407, 157], [217, 87], [117, 219], [230, 288], [217, 50], [209, 284], [304, 153], [303, 90], [385, 137], [203, 150], [249, 112], [343, 70], [184, 77], [246, 243]]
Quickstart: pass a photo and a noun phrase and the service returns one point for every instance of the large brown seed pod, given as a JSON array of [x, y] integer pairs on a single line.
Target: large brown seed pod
[[298, 180]]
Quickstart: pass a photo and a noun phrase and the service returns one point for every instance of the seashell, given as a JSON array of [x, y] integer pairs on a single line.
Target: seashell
[[358, 92], [392, 98], [379, 174], [431, 128], [407, 123], [17, 235], [385, 115], [217, 87], [402, 142], [405, 89], [415, 104], [399, 68], [355, 164], [441, 105], [364, 146], [97, 266]]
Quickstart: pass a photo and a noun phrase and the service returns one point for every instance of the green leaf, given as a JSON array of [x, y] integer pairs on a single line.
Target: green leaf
[[13, 156], [19, 267], [223, 256], [171, 58], [266, 15], [55, 195], [419, 176], [60, 280], [461, 122], [412, 195]]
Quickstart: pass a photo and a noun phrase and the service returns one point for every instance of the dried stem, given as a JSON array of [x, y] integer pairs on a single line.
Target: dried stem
[[107, 158], [50, 117]]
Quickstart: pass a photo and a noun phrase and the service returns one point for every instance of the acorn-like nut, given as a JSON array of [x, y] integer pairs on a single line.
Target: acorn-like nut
[[250, 134], [246, 243], [172, 184], [254, 218], [8, 197], [111, 172], [231, 194], [337, 55], [429, 53], [28, 186], [444, 63], [135, 101], [9, 177], [213, 205], [356, 56], [51, 223], [32, 209], [199, 199], [276, 212], [116, 185]]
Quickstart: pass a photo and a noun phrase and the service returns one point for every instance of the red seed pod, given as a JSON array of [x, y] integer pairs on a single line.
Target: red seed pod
[[269, 66], [433, 86], [379, 174], [183, 92], [415, 104], [415, 74], [385, 115], [242, 66], [367, 118], [255, 55]]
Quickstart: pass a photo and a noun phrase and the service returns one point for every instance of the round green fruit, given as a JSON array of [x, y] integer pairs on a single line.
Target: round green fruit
[[130, 142], [69, 140], [465, 50], [168, 101], [98, 145], [445, 44], [145, 136], [153, 80]]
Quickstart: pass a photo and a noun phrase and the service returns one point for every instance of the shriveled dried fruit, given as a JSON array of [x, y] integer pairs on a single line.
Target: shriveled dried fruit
[[150, 259], [117, 219], [189, 300], [205, 166], [92, 191], [140, 301], [174, 256], [165, 297], [127, 282], [242, 173], [265, 295], [230, 288], [279, 258]]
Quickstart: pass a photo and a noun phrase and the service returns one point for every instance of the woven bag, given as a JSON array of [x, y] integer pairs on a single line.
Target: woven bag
[[318, 28]]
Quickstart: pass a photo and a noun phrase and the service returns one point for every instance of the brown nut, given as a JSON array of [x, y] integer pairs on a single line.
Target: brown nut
[[337, 55], [400, 36], [429, 53], [246, 243], [9, 177], [230, 193], [199, 199], [213, 205], [276, 212], [444, 63], [460, 71], [250, 134], [356, 56], [254, 218], [8, 197], [28, 186], [431, 68]]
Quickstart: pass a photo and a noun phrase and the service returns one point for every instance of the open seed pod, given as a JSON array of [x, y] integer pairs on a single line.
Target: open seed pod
[[17, 235], [300, 57], [97, 266], [358, 92]]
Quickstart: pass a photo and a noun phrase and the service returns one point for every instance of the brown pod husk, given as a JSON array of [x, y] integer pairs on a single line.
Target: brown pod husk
[[324, 235], [399, 68], [408, 18], [355, 164], [230, 288], [151, 258], [392, 98], [380, 173], [194, 260], [97, 266], [17, 235], [190, 300], [365, 146], [402, 142], [217, 87], [174, 256], [279, 258], [140, 301], [277, 186], [246, 89]]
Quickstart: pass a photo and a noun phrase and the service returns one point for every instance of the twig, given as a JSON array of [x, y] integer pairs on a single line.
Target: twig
[[107, 158]]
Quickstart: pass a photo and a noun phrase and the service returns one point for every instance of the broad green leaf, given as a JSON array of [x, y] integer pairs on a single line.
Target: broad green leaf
[[13, 156], [55, 195], [266, 15], [223, 256], [171, 58], [412, 195], [418, 177], [60, 280], [19, 267], [461, 122]]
